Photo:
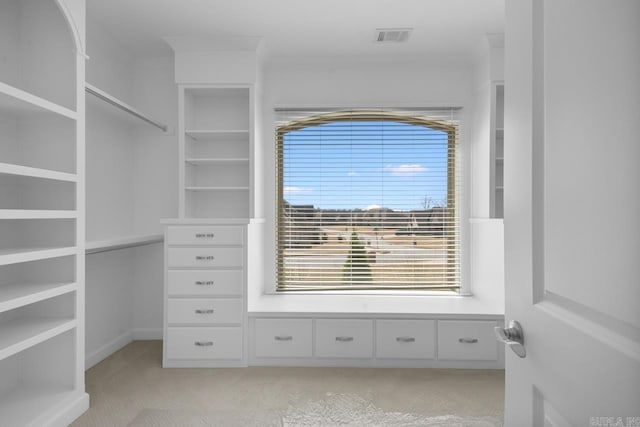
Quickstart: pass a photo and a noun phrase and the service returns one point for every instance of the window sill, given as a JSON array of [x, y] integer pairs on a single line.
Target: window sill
[[368, 302]]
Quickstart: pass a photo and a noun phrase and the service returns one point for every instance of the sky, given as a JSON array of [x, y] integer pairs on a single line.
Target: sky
[[363, 165]]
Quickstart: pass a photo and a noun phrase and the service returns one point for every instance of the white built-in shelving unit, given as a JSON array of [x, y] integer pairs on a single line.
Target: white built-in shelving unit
[[41, 214], [205, 322], [215, 145], [497, 150]]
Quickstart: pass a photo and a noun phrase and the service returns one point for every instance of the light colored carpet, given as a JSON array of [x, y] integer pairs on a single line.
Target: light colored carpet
[[130, 388]]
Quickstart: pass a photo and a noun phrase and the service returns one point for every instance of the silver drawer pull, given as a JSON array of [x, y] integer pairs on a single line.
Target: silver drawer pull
[[283, 338], [203, 343], [405, 339], [204, 311], [204, 258], [468, 340], [344, 339], [205, 235], [204, 283]]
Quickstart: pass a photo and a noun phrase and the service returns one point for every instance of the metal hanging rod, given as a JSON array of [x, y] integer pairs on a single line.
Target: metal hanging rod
[[100, 94]]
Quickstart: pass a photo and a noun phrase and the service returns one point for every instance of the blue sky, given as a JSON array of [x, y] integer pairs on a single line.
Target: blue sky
[[358, 165]]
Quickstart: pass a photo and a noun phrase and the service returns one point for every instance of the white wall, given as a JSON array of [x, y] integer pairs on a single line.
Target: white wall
[[340, 82], [131, 184]]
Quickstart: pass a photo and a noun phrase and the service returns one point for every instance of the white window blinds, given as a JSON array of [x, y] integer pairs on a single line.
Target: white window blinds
[[367, 200]]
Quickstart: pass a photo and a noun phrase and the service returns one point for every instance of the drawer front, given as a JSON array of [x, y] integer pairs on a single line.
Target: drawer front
[[348, 338], [284, 337], [405, 339], [204, 282], [204, 343], [204, 257], [467, 340], [204, 311], [205, 235]]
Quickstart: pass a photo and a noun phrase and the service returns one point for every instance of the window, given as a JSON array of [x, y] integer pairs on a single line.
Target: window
[[367, 200]]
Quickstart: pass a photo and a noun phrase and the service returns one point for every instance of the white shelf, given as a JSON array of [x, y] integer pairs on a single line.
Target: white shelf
[[19, 334], [218, 135], [217, 188], [124, 107], [113, 244], [37, 214], [18, 255], [16, 295], [11, 169], [15, 100], [202, 161], [27, 405]]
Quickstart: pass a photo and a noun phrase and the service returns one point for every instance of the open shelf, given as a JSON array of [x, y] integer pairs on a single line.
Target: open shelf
[[16, 295], [218, 135], [215, 142], [113, 244], [17, 170], [19, 334], [213, 162], [217, 188], [37, 214], [15, 100], [17, 255]]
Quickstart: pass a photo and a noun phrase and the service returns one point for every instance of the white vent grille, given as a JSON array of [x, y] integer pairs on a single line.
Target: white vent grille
[[392, 35]]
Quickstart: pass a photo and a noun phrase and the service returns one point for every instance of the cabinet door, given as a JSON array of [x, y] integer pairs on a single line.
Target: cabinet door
[[204, 343], [204, 311], [204, 235], [405, 339], [204, 282], [284, 337], [348, 338], [467, 340], [205, 257]]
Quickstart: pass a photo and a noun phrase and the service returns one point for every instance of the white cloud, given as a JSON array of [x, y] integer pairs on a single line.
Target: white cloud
[[372, 207], [297, 190], [406, 170], [352, 173]]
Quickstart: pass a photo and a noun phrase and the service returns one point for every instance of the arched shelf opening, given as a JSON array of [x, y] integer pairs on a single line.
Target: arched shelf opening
[[39, 41]]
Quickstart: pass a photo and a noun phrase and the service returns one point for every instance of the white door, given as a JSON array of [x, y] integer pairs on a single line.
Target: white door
[[572, 211]]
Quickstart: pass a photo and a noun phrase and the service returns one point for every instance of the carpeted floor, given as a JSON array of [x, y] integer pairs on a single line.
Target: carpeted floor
[[130, 388]]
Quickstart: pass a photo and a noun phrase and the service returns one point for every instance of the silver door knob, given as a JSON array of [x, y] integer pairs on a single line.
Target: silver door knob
[[513, 336]]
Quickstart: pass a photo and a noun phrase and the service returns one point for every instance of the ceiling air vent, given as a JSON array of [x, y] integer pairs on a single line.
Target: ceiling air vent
[[392, 35]]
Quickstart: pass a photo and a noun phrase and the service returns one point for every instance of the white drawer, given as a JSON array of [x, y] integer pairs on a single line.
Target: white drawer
[[284, 337], [205, 235], [467, 340], [204, 257], [405, 339], [349, 338], [204, 343], [204, 311], [204, 282]]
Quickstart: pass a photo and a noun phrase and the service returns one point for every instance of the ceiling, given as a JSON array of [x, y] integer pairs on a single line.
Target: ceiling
[[332, 28]]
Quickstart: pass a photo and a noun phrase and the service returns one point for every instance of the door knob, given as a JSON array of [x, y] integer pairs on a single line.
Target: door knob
[[513, 336]]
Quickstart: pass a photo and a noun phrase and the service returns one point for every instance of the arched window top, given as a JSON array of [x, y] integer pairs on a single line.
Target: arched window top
[[368, 116]]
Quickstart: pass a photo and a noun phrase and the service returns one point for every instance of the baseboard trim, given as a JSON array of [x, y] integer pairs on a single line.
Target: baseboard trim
[[108, 349], [67, 413], [146, 334]]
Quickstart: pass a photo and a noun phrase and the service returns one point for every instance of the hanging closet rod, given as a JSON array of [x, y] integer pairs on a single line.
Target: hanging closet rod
[[122, 106]]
